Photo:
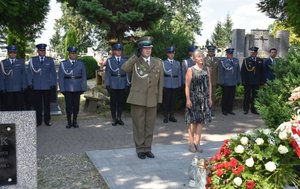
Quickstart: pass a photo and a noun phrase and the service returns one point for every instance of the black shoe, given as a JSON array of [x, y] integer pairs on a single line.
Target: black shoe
[[224, 113], [232, 113], [255, 112], [172, 119], [149, 154], [39, 124], [245, 112], [114, 123], [68, 126], [75, 125], [166, 120], [212, 115], [120, 122], [48, 123], [141, 155]]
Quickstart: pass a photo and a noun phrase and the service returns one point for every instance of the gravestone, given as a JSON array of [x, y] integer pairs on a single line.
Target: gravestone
[[238, 37], [18, 158]]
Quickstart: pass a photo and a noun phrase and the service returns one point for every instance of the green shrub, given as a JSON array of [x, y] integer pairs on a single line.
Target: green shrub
[[272, 99], [90, 65]]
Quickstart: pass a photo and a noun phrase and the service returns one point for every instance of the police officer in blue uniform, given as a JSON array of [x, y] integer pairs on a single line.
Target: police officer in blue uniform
[[189, 62], [42, 79], [172, 81], [116, 83], [72, 83], [13, 70], [229, 78], [252, 74]]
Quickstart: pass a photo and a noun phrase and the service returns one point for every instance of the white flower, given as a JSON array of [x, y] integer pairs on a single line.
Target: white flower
[[250, 162], [282, 149], [267, 131], [239, 149], [244, 141], [234, 137], [249, 132], [259, 141], [270, 166], [283, 135], [237, 181]]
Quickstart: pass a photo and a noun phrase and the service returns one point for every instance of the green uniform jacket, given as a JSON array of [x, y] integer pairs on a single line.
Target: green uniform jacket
[[147, 81], [213, 64]]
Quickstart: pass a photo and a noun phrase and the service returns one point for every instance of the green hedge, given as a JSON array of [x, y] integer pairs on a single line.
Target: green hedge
[[90, 65], [272, 99]]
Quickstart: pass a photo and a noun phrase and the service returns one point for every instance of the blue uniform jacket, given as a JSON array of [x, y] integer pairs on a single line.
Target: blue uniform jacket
[[14, 75], [41, 76], [172, 74], [229, 72], [269, 75], [115, 77], [1, 80], [185, 65], [72, 77]]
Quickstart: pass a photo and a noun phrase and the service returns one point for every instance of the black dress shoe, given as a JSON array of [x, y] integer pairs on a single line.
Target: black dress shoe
[[120, 122], [245, 112], [75, 125], [172, 119], [48, 123], [254, 112], [39, 124], [141, 155], [68, 126], [114, 123], [166, 120], [232, 113], [149, 154], [224, 113]]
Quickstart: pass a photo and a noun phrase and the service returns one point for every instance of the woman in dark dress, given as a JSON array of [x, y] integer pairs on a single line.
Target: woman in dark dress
[[198, 100]]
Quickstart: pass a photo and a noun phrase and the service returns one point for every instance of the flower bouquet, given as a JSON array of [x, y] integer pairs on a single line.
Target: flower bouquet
[[260, 159]]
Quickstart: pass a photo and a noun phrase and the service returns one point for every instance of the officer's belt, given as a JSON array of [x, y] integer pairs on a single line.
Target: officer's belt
[[175, 76], [116, 75], [72, 77]]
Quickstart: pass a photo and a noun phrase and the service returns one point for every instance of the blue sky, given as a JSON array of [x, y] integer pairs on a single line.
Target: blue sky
[[244, 15]]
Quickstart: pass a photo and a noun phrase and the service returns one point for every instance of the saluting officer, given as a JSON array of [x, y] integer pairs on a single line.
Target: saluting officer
[[229, 78], [213, 64], [252, 74], [72, 83], [42, 79], [145, 92], [116, 83], [189, 62], [13, 70], [172, 81]]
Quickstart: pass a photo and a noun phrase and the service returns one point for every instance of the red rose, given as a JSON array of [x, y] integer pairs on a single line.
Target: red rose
[[212, 159], [226, 152], [209, 180], [250, 184], [218, 156], [241, 168], [219, 165], [219, 172], [226, 141], [226, 165], [236, 171], [213, 168], [233, 162]]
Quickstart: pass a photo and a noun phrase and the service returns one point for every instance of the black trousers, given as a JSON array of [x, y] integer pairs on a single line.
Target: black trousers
[[41, 103], [169, 100], [250, 94], [117, 102], [13, 101], [228, 93], [72, 100]]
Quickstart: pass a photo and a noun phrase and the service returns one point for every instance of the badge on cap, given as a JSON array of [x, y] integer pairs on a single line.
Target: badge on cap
[[229, 50], [11, 48], [117, 46], [211, 48], [192, 48], [72, 49], [145, 42], [41, 46], [170, 49]]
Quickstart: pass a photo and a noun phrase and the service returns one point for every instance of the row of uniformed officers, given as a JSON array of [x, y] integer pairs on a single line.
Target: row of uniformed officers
[[38, 81]]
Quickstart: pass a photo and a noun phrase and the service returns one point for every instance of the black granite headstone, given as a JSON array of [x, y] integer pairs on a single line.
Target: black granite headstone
[[8, 170]]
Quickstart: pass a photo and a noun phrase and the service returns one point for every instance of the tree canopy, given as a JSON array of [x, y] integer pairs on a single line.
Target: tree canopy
[[221, 36], [118, 17]]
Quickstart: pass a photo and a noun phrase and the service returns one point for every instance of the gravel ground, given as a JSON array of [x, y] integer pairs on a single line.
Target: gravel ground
[[68, 171]]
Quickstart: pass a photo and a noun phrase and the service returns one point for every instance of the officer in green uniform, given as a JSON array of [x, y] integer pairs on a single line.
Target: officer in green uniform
[[145, 92], [213, 64]]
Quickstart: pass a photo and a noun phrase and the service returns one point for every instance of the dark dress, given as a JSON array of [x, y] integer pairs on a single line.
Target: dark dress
[[199, 95]]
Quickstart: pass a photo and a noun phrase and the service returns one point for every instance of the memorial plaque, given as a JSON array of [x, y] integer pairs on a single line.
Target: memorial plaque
[[8, 170]]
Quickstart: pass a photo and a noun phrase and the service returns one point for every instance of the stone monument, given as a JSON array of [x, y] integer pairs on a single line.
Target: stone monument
[[18, 158]]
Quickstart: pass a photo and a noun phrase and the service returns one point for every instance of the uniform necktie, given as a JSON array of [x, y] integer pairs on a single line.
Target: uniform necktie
[[12, 61], [171, 62], [147, 61], [118, 59], [42, 60]]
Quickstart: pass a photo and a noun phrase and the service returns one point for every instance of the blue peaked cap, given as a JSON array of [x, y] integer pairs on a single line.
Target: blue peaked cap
[[11, 48], [117, 46], [229, 50], [72, 49], [170, 49], [192, 48], [41, 46]]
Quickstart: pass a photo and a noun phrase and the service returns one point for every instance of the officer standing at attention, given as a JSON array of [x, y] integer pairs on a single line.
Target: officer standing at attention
[[116, 83], [269, 62], [72, 83], [189, 62], [13, 70], [42, 79], [172, 81], [229, 78], [252, 74], [213, 64], [145, 92]]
